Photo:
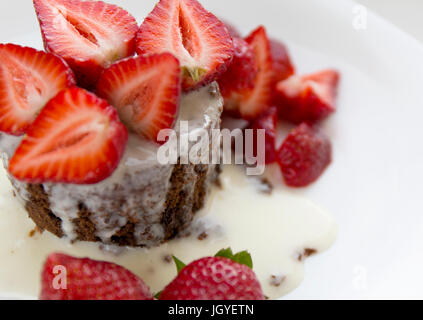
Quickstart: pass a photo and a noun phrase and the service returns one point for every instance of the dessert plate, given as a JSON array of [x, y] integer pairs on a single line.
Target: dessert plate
[[372, 187]]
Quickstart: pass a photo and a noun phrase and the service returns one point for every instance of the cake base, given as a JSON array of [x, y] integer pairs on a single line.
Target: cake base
[[179, 212]]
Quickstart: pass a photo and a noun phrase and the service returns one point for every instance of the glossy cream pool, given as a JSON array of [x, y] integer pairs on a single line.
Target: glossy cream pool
[[275, 228]]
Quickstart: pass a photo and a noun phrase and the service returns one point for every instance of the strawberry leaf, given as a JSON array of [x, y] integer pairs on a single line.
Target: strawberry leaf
[[243, 257], [179, 264], [157, 295]]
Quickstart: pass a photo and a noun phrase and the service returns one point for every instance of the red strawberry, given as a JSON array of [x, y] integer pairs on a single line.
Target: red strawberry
[[268, 121], [214, 278], [77, 138], [282, 65], [145, 91], [241, 73], [250, 103], [196, 37], [308, 98], [304, 155], [89, 35], [68, 278], [28, 80]]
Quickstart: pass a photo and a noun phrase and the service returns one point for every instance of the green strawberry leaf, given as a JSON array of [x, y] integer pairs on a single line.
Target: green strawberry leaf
[[157, 295], [243, 257], [179, 264]]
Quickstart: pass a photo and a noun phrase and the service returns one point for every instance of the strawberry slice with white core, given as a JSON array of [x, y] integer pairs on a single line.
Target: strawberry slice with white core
[[196, 37], [308, 98], [89, 35], [145, 90], [28, 80], [76, 139]]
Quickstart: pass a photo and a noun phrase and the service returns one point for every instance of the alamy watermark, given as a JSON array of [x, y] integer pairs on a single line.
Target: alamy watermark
[[215, 146]]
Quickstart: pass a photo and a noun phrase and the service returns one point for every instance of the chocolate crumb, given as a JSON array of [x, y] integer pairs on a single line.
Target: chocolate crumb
[[306, 253], [14, 193], [203, 236], [34, 231], [167, 258], [276, 280], [266, 186]]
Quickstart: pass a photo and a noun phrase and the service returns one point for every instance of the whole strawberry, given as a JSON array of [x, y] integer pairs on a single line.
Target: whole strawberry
[[214, 278], [304, 155], [69, 278]]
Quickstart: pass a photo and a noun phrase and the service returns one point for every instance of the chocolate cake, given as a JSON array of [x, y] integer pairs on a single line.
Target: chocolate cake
[[144, 203]]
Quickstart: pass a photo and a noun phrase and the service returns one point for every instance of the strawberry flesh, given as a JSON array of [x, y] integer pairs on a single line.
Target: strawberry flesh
[[146, 92], [89, 35], [28, 80], [241, 73], [308, 98], [271, 64], [268, 122], [76, 139], [304, 155], [67, 278], [282, 64], [196, 37], [214, 278]]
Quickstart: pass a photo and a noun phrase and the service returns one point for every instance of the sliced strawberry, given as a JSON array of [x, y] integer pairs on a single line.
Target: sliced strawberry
[[250, 103], [28, 80], [146, 92], [89, 35], [77, 138], [282, 65], [268, 121], [67, 278], [308, 98], [196, 37], [304, 155], [241, 73]]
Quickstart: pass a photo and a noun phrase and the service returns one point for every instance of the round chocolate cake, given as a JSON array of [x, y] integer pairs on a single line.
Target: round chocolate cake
[[144, 203]]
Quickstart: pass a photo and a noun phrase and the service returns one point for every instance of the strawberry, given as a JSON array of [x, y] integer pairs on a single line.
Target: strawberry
[[67, 278], [145, 91], [28, 80], [282, 65], [214, 278], [196, 37], [77, 138], [304, 155], [268, 121], [241, 73], [308, 98], [89, 35], [250, 103]]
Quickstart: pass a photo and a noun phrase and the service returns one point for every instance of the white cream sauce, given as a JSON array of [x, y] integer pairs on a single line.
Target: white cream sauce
[[275, 229]]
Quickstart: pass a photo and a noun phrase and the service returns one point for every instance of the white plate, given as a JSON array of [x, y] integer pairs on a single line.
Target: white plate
[[373, 187]]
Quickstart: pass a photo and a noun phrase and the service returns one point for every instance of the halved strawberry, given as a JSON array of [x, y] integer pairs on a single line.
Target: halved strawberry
[[196, 37], [241, 73], [146, 92], [250, 103], [28, 80], [282, 64], [77, 138], [89, 35], [268, 121], [308, 98]]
